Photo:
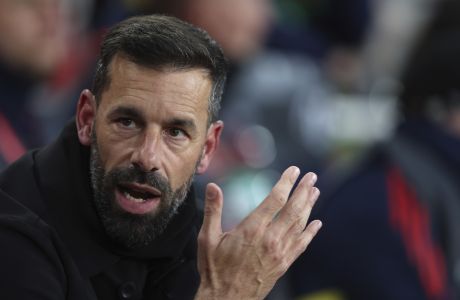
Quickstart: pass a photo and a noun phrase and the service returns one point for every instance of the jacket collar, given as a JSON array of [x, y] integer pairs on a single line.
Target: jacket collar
[[435, 138], [64, 176]]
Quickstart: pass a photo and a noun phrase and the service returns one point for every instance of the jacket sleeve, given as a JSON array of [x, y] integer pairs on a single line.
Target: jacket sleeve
[[30, 260], [30, 265]]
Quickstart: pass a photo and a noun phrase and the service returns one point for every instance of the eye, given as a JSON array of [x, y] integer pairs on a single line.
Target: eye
[[176, 132], [126, 122]]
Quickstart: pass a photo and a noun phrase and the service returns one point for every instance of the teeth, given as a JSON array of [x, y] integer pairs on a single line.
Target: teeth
[[128, 196]]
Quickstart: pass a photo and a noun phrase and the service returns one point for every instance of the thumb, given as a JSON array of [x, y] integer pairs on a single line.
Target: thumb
[[212, 222]]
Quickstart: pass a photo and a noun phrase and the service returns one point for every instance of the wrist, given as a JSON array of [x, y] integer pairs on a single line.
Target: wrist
[[209, 293], [205, 293]]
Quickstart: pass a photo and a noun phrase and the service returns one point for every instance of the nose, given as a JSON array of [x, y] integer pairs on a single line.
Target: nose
[[146, 154]]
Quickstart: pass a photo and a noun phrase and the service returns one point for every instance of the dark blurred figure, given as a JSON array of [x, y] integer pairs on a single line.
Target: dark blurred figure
[[392, 229], [239, 26], [30, 49], [47, 48], [33, 43], [317, 27]]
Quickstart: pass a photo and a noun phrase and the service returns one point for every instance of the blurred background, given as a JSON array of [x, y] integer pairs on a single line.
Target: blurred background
[[312, 83]]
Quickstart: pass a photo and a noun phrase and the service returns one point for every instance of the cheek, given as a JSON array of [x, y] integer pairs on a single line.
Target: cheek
[[114, 152], [180, 168]]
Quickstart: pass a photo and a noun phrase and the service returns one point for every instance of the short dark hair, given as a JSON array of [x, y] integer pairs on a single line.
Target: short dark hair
[[432, 72], [159, 41]]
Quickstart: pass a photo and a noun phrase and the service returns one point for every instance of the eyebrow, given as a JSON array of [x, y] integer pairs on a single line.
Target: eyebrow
[[189, 124], [127, 111]]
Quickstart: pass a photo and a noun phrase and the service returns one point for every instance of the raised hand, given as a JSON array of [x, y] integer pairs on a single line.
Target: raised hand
[[246, 262]]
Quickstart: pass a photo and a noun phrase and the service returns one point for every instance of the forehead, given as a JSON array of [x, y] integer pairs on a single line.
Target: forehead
[[186, 90]]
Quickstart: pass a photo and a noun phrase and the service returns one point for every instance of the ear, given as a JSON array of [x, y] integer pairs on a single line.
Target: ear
[[86, 113], [210, 146]]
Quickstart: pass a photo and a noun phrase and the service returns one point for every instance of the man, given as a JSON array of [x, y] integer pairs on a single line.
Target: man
[[107, 210], [396, 218], [32, 44], [42, 54]]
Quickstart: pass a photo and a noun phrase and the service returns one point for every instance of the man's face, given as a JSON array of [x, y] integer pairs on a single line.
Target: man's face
[[240, 26], [149, 137], [33, 34]]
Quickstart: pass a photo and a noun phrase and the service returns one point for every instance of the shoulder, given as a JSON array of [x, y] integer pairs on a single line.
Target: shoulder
[[34, 263], [19, 181], [29, 260], [364, 188], [357, 207], [358, 238]]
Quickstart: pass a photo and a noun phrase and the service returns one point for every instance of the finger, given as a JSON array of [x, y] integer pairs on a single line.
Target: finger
[[294, 244], [307, 236], [212, 221], [296, 212], [277, 197], [313, 197], [299, 226]]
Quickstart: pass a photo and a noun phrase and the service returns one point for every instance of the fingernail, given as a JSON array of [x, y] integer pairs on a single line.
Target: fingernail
[[315, 194], [313, 178], [294, 173], [317, 224], [210, 193]]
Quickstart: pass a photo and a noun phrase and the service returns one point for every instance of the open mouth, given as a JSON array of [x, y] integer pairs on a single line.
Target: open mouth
[[137, 198], [138, 193]]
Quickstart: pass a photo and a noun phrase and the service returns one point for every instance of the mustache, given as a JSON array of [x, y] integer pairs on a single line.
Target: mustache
[[134, 174]]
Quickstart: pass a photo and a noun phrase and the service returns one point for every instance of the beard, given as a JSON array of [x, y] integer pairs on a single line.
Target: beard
[[132, 230]]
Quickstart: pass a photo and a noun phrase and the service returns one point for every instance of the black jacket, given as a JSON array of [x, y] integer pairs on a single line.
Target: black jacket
[[390, 228], [54, 247]]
